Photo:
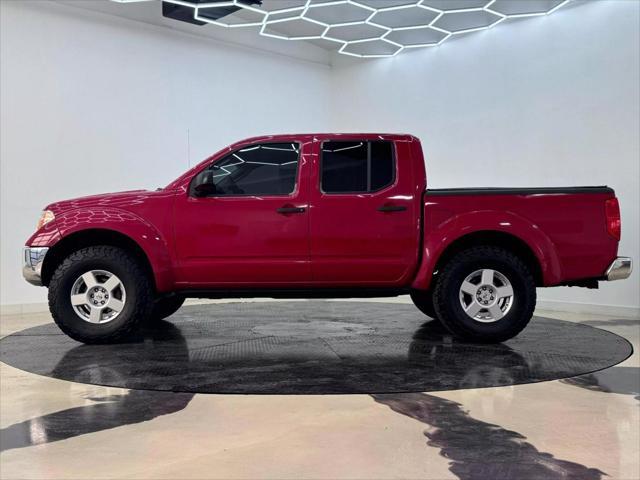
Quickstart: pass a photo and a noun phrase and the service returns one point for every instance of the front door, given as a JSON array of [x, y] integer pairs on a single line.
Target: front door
[[244, 221], [364, 229]]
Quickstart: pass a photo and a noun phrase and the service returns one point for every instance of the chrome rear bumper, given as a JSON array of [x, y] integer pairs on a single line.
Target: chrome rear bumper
[[32, 259], [620, 269]]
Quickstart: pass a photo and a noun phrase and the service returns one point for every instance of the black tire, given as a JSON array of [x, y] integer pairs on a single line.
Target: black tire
[[423, 300], [447, 303], [166, 306], [136, 282]]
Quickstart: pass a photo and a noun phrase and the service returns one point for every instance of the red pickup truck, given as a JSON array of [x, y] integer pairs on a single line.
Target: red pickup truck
[[321, 215]]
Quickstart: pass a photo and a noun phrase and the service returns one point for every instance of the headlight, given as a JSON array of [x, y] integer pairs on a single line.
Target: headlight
[[45, 218]]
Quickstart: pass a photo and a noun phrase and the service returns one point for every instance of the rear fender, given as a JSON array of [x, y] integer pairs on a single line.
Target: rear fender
[[438, 236]]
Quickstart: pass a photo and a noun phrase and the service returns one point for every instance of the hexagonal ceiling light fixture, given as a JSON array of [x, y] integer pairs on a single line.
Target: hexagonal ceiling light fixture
[[360, 28]]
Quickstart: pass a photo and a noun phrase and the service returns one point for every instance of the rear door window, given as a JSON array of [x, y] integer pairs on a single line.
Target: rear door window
[[357, 166]]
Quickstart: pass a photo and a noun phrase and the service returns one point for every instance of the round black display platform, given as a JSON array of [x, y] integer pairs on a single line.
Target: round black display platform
[[312, 348]]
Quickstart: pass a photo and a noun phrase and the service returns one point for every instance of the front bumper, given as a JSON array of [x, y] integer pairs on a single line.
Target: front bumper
[[32, 260], [619, 269]]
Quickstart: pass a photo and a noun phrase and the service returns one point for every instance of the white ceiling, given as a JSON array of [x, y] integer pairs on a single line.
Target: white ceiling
[[361, 28]]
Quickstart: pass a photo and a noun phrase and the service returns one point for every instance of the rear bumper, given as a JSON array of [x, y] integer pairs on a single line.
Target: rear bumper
[[619, 269], [32, 260]]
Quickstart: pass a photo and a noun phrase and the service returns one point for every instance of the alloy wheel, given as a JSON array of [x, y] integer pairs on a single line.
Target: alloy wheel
[[98, 296]]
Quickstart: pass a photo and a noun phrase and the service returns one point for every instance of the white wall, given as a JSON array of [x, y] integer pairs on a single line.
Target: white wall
[[94, 103], [550, 101]]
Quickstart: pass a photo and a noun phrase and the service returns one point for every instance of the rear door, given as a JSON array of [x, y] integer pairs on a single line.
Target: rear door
[[364, 227], [248, 224]]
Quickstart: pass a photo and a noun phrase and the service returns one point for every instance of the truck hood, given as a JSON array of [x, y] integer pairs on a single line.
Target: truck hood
[[118, 199]]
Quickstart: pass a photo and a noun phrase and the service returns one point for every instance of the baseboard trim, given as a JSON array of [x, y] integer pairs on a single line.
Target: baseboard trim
[[593, 308], [23, 308]]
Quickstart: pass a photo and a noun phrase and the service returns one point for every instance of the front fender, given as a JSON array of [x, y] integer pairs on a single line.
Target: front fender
[[440, 234], [145, 235]]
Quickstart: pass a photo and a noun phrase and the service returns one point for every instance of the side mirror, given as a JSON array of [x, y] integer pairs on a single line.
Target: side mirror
[[204, 190]]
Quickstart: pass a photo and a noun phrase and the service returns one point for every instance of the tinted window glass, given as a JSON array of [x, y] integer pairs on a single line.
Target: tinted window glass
[[352, 167], [344, 167], [382, 167], [265, 169]]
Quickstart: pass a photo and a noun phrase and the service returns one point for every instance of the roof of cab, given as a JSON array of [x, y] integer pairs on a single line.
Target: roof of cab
[[306, 136], [288, 137]]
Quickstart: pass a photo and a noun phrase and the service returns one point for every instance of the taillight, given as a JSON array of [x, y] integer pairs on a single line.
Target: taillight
[[612, 214]]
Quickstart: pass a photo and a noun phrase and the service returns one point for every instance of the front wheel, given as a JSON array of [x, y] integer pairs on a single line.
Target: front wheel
[[485, 294], [100, 294]]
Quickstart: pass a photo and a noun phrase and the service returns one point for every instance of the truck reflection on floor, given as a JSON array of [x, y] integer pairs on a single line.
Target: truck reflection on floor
[[134, 406], [459, 365]]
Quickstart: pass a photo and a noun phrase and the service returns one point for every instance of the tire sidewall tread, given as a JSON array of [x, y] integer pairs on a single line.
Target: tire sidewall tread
[[447, 290], [118, 261]]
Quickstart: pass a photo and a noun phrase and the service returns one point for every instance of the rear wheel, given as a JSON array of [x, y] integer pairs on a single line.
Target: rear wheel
[[166, 306], [423, 300], [485, 294], [100, 294]]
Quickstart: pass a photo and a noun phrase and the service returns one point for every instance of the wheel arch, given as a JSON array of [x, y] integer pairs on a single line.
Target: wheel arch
[[494, 238], [93, 237], [502, 229]]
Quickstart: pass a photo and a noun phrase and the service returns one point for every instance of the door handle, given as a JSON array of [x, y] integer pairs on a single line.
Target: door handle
[[392, 208], [286, 210]]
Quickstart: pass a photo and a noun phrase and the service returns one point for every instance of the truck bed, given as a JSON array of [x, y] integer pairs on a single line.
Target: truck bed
[[565, 227]]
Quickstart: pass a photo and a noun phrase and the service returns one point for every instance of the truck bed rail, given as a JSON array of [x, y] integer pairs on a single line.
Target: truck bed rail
[[517, 191]]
